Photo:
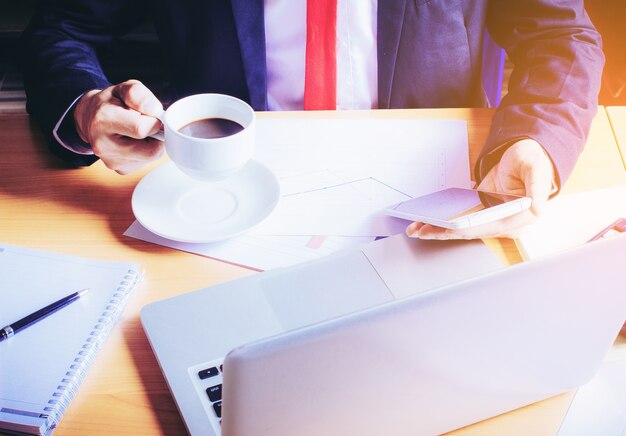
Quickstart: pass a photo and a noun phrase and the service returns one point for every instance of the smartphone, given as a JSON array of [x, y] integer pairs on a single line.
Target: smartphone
[[458, 208], [611, 230]]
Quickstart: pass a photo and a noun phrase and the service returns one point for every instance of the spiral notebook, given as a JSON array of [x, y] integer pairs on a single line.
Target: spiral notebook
[[42, 366]]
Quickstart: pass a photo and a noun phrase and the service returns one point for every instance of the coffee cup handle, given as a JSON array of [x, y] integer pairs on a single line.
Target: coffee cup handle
[[160, 135]]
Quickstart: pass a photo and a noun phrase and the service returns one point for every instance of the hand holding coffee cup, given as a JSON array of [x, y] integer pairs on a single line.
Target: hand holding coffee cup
[[121, 125], [209, 136], [116, 123]]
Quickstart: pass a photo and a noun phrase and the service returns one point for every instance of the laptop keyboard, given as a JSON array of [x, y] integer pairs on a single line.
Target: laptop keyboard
[[207, 378]]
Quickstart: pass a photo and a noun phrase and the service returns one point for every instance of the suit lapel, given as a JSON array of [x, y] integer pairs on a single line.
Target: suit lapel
[[250, 23], [390, 19]]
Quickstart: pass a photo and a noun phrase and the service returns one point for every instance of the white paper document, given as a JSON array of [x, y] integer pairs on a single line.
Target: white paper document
[[261, 252], [571, 220], [336, 177]]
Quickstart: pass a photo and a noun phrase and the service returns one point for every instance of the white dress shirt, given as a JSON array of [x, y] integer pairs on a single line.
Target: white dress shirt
[[285, 39]]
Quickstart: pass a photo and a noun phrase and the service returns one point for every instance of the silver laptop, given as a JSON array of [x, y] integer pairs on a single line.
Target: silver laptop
[[374, 341]]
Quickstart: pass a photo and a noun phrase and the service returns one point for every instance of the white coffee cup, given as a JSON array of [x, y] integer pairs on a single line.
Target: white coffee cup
[[209, 159]]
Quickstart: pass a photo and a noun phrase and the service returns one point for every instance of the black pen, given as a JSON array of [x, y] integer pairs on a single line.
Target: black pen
[[11, 329]]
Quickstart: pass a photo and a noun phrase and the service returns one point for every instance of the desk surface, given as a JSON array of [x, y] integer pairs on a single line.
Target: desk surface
[[617, 117], [84, 212]]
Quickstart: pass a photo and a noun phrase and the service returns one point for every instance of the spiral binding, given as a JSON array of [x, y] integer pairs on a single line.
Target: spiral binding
[[68, 386]]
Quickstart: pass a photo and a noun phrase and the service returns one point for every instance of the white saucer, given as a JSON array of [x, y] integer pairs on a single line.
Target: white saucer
[[173, 205]]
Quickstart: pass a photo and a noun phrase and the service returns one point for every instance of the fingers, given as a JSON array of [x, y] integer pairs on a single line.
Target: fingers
[[509, 227], [413, 229], [125, 155], [127, 122], [525, 166], [538, 176], [539, 191], [137, 114], [135, 95], [114, 123]]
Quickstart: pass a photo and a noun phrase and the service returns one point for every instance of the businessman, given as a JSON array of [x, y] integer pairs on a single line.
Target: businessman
[[386, 54]]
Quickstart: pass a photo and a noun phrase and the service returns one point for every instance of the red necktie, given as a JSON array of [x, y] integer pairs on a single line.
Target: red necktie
[[320, 78]]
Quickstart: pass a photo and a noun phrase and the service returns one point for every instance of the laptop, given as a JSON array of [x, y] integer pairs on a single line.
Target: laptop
[[399, 337]]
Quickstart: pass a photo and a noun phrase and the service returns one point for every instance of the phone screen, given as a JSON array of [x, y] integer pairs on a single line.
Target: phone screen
[[453, 203]]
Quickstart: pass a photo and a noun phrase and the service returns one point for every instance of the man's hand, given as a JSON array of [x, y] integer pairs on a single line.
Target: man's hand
[[117, 121], [524, 169]]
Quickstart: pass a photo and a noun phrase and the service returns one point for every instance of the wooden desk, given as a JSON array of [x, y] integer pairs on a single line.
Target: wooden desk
[[599, 165], [617, 117], [84, 212]]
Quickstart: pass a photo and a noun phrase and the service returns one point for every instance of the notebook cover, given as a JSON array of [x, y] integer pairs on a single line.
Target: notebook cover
[[42, 366]]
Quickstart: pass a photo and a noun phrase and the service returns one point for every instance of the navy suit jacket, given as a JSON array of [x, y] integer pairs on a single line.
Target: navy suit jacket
[[429, 55]]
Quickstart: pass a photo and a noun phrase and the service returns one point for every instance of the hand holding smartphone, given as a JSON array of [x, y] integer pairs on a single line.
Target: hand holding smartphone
[[458, 208]]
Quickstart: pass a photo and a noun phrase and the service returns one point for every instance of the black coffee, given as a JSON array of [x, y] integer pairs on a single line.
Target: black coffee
[[211, 128]]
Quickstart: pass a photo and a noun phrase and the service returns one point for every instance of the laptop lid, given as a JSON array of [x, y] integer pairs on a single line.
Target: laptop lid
[[192, 329], [439, 360]]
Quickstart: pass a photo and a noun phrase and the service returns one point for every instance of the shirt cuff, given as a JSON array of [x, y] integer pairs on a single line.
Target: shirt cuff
[[65, 133]]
